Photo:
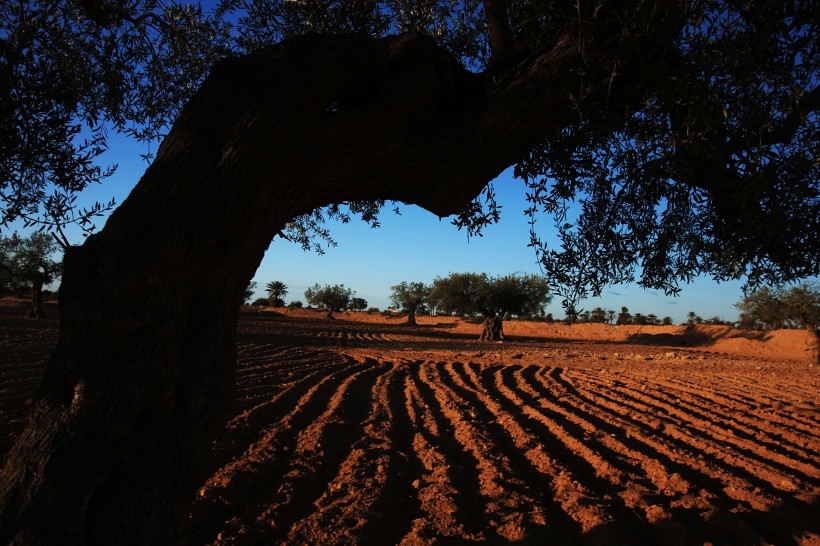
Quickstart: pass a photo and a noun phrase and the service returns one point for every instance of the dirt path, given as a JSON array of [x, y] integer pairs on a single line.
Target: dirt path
[[370, 432]]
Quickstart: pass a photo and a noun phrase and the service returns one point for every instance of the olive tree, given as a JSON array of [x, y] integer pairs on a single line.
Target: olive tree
[[410, 297], [494, 298], [333, 298], [686, 130], [28, 263], [508, 296], [782, 307]]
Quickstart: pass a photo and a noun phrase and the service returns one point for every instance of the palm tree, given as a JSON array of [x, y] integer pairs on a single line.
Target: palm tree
[[277, 290], [691, 317]]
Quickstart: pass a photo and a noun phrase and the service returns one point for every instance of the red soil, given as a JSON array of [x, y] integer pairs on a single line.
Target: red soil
[[364, 430]]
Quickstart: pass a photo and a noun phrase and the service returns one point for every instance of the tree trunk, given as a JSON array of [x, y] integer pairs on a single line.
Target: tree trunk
[[814, 330], [36, 310], [493, 330], [411, 317], [144, 367], [329, 314]]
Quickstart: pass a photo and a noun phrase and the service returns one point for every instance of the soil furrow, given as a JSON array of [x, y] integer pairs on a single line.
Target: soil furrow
[[693, 428], [526, 473], [315, 456], [438, 494], [649, 435], [364, 430], [244, 483], [644, 471], [744, 426], [749, 419], [464, 465]]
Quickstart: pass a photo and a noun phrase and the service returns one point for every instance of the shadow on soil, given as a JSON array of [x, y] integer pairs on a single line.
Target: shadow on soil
[[786, 524], [694, 337]]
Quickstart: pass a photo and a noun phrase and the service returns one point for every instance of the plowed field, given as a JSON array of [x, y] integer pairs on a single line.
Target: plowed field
[[365, 431]]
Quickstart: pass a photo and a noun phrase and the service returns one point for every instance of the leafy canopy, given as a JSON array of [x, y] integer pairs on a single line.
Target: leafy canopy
[[335, 297], [277, 290], [25, 261], [710, 166], [469, 294], [411, 297], [783, 307]]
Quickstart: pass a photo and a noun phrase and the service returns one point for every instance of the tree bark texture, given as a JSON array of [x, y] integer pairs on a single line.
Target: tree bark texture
[[36, 310], [144, 369], [493, 329]]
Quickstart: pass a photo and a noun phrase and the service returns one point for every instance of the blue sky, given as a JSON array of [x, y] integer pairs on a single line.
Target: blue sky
[[418, 246]]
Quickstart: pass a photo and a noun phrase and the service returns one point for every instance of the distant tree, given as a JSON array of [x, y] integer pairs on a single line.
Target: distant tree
[[277, 290], [26, 263], [773, 308], [410, 297], [610, 316], [296, 304], [652, 319], [693, 318], [715, 321], [549, 318], [666, 321], [358, 304], [494, 298], [803, 305], [457, 294], [570, 312], [763, 308], [640, 319], [507, 296], [261, 302], [333, 298], [624, 317], [584, 317], [598, 315]]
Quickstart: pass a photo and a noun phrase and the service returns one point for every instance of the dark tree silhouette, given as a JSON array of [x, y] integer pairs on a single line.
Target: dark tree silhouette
[[687, 130], [277, 290]]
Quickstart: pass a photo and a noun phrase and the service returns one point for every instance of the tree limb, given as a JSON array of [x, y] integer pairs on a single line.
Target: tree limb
[[501, 43]]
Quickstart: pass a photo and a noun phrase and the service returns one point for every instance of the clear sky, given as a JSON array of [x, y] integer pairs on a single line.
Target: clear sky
[[418, 246]]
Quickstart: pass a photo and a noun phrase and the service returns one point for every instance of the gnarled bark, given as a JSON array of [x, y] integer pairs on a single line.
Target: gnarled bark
[[36, 310], [493, 329], [144, 367]]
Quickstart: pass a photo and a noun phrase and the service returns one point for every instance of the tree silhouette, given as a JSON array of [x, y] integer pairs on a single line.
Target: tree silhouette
[[624, 317], [27, 263], [277, 290], [686, 132]]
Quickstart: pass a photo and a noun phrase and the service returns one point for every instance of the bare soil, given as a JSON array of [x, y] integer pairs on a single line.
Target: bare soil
[[363, 430]]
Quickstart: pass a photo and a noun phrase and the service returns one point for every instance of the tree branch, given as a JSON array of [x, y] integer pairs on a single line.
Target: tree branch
[[782, 133], [501, 43]]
